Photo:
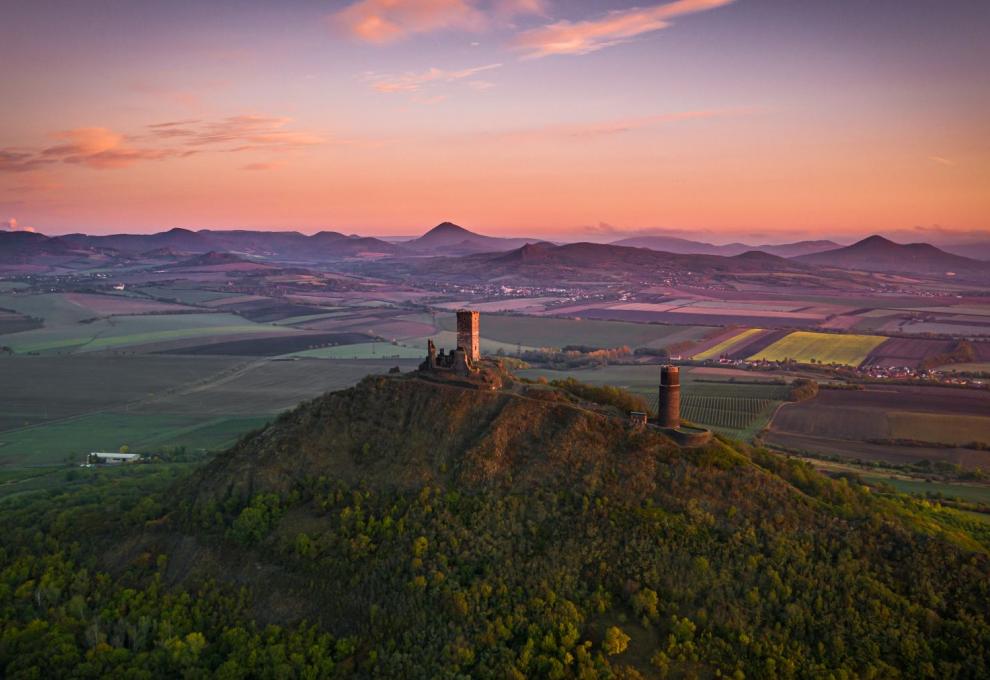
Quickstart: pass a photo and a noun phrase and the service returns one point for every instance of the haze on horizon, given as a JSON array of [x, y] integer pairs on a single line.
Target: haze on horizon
[[718, 119]]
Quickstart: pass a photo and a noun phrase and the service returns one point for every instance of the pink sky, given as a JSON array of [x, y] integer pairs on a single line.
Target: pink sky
[[722, 119]]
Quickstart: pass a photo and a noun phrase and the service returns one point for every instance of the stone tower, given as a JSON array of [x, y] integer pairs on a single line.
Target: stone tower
[[467, 334], [669, 406]]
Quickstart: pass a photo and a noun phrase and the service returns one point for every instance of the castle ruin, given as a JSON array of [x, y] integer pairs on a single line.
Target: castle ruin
[[463, 360]]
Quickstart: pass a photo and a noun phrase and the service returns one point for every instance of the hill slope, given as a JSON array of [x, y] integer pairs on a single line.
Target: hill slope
[[671, 244], [448, 238], [878, 254], [425, 529]]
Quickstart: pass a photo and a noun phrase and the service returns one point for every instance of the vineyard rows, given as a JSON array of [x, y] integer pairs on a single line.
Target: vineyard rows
[[737, 413]]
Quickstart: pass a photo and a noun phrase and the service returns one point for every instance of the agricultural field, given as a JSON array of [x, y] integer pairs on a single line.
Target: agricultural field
[[907, 352], [735, 409], [552, 332], [274, 346], [71, 439], [725, 346], [875, 424], [68, 330], [366, 350], [823, 348], [66, 406], [737, 417]]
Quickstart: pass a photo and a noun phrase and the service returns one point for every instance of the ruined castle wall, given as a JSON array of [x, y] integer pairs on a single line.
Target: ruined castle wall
[[468, 337]]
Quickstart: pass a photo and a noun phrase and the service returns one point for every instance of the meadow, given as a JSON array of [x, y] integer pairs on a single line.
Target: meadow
[[551, 332], [806, 347], [66, 406]]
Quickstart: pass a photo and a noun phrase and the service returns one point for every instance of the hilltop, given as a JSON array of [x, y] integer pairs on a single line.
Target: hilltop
[[448, 238], [672, 244], [879, 254], [427, 528]]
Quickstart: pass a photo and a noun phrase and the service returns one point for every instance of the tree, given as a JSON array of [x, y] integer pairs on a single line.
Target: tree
[[616, 641]]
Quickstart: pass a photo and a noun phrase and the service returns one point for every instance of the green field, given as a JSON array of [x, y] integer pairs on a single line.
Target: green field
[[54, 442], [806, 347], [740, 417], [719, 349], [129, 331], [550, 332], [365, 350], [68, 405], [189, 296]]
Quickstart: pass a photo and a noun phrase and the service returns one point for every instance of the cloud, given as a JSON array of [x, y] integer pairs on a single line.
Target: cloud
[[236, 133], [618, 125], [383, 21], [509, 9], [583, 37], [386, 21], [262, 166], [100, 148], [413, 82], [20, 160], [12, 225], [103, 149], [941, 161]]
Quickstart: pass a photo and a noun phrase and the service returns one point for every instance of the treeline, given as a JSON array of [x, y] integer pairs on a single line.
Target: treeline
[[576, 356], [604, 395]]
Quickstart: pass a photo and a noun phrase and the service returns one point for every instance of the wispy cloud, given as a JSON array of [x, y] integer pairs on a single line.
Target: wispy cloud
[[413, 82], [236, 133], [941, 161], [617, 126], [102, 148], [385, 21], [274, 165], [614, 28]]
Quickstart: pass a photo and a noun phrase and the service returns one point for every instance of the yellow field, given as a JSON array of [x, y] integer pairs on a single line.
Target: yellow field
[[718, 350], [805, 347]]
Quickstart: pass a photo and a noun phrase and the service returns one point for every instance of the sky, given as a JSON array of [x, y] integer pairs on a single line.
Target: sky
[[765, 120]]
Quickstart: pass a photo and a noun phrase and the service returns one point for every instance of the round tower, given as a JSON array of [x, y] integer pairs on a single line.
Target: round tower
[[669, 404]]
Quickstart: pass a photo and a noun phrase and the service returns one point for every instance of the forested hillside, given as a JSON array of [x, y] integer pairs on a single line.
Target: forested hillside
[[405, 528]]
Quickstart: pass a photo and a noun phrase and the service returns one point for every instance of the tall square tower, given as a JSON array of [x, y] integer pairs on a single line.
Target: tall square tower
[[467, 334]]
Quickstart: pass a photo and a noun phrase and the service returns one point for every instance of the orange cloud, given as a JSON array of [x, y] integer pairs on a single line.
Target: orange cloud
[[582, 37], [412, 82], [12, 225], [382, 21], [101, 148], [248, 131]]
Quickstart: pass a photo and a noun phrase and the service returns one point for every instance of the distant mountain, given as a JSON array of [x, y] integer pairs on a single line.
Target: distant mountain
[[16, 246], [269, 244], [450, 239], [878, 254], [979, 250], [543, 262], [672, 244], [178, 239]]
